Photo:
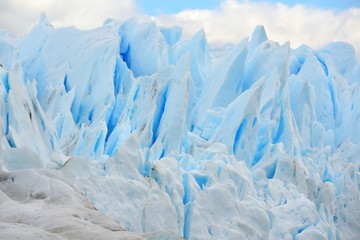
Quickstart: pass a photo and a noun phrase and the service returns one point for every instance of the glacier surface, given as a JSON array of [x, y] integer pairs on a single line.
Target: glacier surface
[[129, 131]]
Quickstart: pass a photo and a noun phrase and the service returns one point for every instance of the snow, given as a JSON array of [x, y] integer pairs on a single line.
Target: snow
[[128, 131], [39, 204]]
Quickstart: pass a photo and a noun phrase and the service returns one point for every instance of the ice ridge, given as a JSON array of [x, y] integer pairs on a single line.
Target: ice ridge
[[167, 135]]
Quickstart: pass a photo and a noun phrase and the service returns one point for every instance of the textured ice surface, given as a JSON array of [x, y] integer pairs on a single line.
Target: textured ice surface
[[130, 127]]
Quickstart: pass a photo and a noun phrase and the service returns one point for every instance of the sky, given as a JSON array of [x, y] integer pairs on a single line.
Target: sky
[[314, 23], [155, 7]]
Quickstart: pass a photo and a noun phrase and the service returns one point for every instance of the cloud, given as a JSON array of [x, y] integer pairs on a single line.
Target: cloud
[[20, 16], [235, 20], [232, 21]]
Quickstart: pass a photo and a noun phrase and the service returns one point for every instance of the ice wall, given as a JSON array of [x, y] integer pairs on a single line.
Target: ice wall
[[249, 141]]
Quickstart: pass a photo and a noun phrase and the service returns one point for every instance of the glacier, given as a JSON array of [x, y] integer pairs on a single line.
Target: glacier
[[130, 131]]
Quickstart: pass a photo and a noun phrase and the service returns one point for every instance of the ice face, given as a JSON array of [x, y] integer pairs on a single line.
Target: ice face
[[163, 134]]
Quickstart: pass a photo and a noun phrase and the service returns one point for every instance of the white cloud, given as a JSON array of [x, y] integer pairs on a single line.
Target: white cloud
[[230, 22], [20, 16], [234, 20]]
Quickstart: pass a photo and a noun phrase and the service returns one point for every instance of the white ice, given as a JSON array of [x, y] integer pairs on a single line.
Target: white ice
[[130, 131]]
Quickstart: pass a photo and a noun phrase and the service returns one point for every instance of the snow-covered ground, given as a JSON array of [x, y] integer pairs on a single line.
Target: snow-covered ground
[[129, 131]]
